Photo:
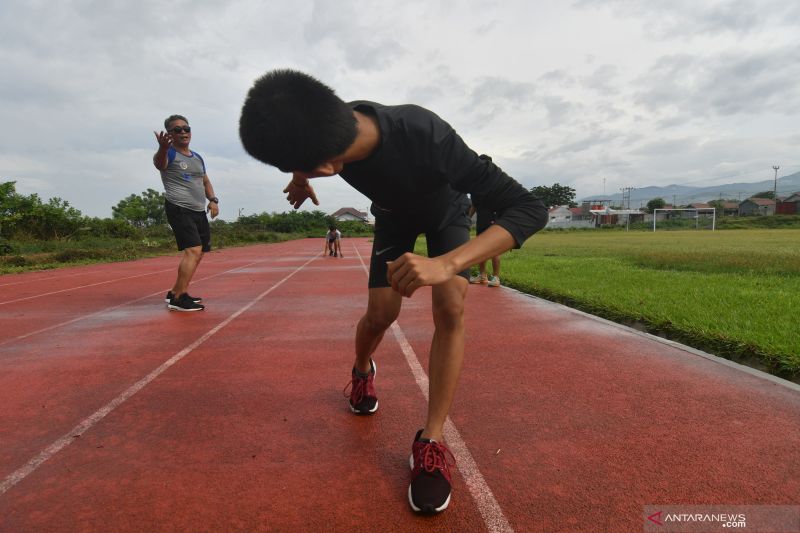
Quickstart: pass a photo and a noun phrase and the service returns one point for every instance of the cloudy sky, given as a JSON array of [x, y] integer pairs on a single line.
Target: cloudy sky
[[594, 94]]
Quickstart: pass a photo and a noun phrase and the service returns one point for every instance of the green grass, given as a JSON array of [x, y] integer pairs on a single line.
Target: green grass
[[26, 256], [734, 293]]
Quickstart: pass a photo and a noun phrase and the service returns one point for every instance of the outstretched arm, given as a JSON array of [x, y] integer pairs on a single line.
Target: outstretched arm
[[164, 140]]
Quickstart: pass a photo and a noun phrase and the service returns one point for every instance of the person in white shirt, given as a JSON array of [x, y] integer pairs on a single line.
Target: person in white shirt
[[333, 242]]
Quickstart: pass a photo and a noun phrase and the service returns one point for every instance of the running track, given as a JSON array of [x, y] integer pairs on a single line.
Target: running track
[[118, 415]]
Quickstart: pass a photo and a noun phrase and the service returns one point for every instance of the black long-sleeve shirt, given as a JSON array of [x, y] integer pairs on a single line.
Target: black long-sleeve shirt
[[422, 167]]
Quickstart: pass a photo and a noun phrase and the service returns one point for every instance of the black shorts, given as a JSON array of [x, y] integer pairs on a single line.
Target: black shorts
[[190, 227], [484, 220], [395, 236]]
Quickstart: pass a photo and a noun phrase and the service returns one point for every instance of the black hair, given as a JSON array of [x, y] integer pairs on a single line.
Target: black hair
[[485, 157], [293, 121], [170, 119]]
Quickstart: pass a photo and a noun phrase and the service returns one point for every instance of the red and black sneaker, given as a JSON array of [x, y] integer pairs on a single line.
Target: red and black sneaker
[[184, 303], [362, 397], [429, 491], [170, 296]]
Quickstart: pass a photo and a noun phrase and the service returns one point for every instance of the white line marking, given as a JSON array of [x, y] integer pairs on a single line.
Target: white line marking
[[61, 443], [85, 286], [39, 280], [488, 506], [107, 309]]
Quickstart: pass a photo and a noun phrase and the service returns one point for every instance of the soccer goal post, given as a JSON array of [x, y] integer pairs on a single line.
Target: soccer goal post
[[696, 216]]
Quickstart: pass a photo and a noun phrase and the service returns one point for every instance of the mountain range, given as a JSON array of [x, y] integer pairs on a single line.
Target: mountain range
[[684, 194]]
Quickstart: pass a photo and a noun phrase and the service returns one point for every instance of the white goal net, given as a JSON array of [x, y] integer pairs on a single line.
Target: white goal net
[[685, 218]]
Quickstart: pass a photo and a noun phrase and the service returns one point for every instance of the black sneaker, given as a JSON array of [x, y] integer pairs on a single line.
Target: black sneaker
[[170, 296], [184, 303], [362, 397], [429, 491]]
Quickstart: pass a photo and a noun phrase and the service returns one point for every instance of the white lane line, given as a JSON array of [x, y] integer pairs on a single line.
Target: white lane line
[[129, 302], [85, 286], [48, 278], [61, 443], [490, 510]]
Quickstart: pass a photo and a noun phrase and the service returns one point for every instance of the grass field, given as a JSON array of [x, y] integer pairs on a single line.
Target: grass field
[[733, 293]]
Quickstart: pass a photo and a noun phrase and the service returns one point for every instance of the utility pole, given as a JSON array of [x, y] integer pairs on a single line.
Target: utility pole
[[775, 188], [626, 196], [626, 203]]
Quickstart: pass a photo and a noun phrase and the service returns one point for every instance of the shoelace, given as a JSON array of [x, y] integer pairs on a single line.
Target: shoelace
[[433, 456], [359, 387]]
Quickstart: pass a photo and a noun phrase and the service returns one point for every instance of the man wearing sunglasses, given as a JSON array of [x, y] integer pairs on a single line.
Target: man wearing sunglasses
[[187, 188]]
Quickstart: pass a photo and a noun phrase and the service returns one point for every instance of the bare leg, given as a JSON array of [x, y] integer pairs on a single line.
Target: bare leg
[[186, 269], [383, 307], [496, 266], [482, 269], [447, 353], [339, 247]]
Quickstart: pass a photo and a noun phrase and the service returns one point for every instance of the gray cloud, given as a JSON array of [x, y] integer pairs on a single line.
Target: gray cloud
[[336, 24], [723, 84], [492, 97], [689, 18], [559, 78], [84, 84]]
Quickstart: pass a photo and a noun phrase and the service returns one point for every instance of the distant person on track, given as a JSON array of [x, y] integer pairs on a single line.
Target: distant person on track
[[416, 170], [333, 241], [486, 218], [187, 188]]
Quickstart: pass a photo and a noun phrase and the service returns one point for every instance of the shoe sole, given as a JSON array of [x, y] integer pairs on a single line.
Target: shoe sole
[[372, 411], [411, 500], [176, 308], [364, 413]]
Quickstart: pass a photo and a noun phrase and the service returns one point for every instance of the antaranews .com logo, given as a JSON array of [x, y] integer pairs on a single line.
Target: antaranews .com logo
[[722, 518]]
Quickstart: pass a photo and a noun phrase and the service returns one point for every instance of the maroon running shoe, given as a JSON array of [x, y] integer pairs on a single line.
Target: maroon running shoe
[[429, 491], [362, 397]]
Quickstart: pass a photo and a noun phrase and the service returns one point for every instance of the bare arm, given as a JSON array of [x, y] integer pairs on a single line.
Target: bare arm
[[164, 140], [298, 190], [213, 206], [409, 272]]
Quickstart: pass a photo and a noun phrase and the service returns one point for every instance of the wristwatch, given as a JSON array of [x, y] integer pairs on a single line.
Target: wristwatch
[[215, 200]]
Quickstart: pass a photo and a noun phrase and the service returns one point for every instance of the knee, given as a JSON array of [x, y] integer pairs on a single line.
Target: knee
[[379, 319], [448, 315], [195, 252]]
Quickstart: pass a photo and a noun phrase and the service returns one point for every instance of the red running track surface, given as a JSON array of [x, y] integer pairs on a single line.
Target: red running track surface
[[118, 415]]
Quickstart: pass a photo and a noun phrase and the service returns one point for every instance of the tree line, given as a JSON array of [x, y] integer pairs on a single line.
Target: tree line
[[28, 217]]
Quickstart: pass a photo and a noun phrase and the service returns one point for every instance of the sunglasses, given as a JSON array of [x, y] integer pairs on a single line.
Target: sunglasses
[[178, 129]]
